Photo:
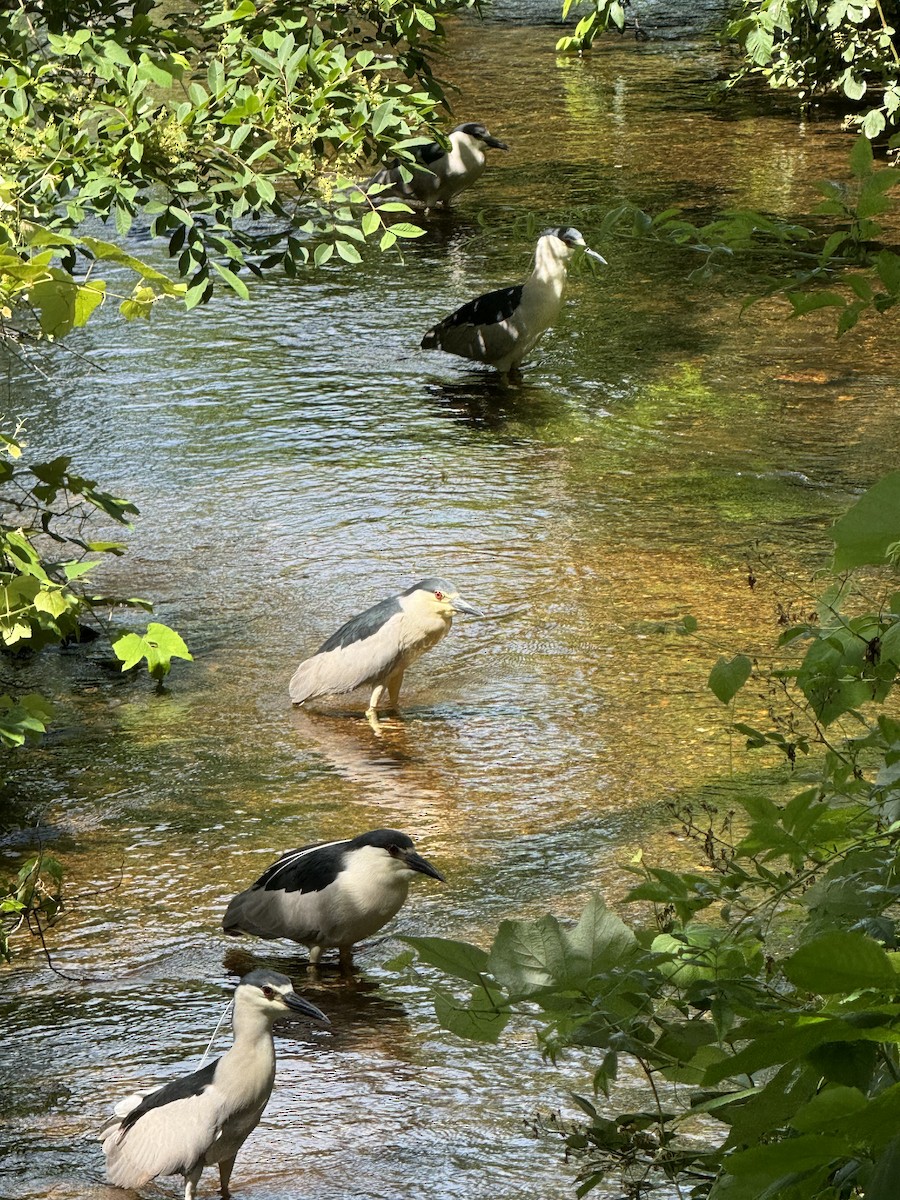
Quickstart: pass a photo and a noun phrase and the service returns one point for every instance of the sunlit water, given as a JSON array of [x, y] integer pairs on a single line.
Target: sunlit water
[[296, 458]]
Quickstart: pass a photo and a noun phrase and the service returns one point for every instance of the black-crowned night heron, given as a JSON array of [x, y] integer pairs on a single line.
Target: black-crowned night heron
[[440, 173], [205, 1117], [332, 894], [500, 328], [373, 649]]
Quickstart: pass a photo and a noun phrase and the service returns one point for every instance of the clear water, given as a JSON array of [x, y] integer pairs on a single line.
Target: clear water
[[297, 458]]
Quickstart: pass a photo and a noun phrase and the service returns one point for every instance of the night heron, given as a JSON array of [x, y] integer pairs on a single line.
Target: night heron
[[332, 894], [373, 649], [205, 1117], [439, 173], [500, 328]]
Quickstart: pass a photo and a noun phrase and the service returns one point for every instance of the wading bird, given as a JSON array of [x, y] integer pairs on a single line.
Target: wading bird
[[373, 649], [440, 174], [331, 894], [205, 1117], [501, 327]]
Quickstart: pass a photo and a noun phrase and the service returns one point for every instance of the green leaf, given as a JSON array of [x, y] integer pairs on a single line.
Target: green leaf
[[405, 230], [883, 1182], [381, 116], [348, 252], [460, 959], [483, 1019], [88, 297], [873, 123], [237, 285], [600, 940], [841, 962], [728, 677], [158, 646], [793, 1154], [864, 533], [527, 956], [829, 1107], [861, 156]]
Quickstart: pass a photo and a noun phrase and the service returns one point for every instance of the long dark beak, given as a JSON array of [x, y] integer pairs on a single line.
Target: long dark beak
[[298, 1005], [593, 254], [495, 143], [460, 605], [417, 863]]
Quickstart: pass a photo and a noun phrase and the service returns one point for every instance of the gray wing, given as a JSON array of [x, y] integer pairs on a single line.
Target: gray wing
[[273, 914], [359, 655], [166, 1138], [276, 905]]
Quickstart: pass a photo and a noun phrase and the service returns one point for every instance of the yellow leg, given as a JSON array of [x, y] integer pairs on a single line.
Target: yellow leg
[[377, 693], [225, 1169], [393, 685]]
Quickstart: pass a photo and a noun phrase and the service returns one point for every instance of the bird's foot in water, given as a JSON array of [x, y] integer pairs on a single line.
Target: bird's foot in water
[[372, 718]]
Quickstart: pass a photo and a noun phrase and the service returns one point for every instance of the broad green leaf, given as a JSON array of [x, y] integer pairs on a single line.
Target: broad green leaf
[[841, 962], [158, 646], [53, 602], [527, 956], [792, 1154], [381, 116], [482, 1019], [861, 156], [728, 677], [828, 1108], [237, 285], [599, 941], [864, 533], [87, 298], [884, 1182], [460, 959]]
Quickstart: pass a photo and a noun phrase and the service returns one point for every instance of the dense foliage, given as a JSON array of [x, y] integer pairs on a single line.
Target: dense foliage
[[756, 996], [32, 901], [841, 50], [227, 132], [46, 553]]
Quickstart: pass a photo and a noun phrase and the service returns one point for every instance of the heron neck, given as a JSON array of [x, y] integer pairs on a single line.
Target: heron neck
[[251, 1058], [549, 268], [251, 1027]]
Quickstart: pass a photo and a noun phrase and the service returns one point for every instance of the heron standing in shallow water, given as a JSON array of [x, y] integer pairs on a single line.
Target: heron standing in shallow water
[[501, 327], [331, 894], [374, 649], [440, 173], [205, 1117]]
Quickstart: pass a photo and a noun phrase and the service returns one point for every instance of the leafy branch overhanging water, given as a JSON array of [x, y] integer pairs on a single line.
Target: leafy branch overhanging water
[[757, 994]]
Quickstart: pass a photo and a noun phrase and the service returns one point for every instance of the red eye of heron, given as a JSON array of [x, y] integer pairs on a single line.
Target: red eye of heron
[[438, 595], [268, 992]]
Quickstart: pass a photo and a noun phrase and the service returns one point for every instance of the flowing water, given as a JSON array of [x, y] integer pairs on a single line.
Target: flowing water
[[295, 459]]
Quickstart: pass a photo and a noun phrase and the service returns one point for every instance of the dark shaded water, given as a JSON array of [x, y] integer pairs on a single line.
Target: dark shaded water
[[295, 459]]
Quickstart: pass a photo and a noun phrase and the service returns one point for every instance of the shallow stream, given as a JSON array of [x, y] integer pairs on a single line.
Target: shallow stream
[[297, 458]]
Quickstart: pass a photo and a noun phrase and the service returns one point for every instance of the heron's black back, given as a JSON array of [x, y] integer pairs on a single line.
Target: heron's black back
[[362, 626], [309, 869], [314, 868], [489, 309], [179, 1089]]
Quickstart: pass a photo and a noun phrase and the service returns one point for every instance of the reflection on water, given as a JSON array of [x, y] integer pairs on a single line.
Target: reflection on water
[[297, 457]]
